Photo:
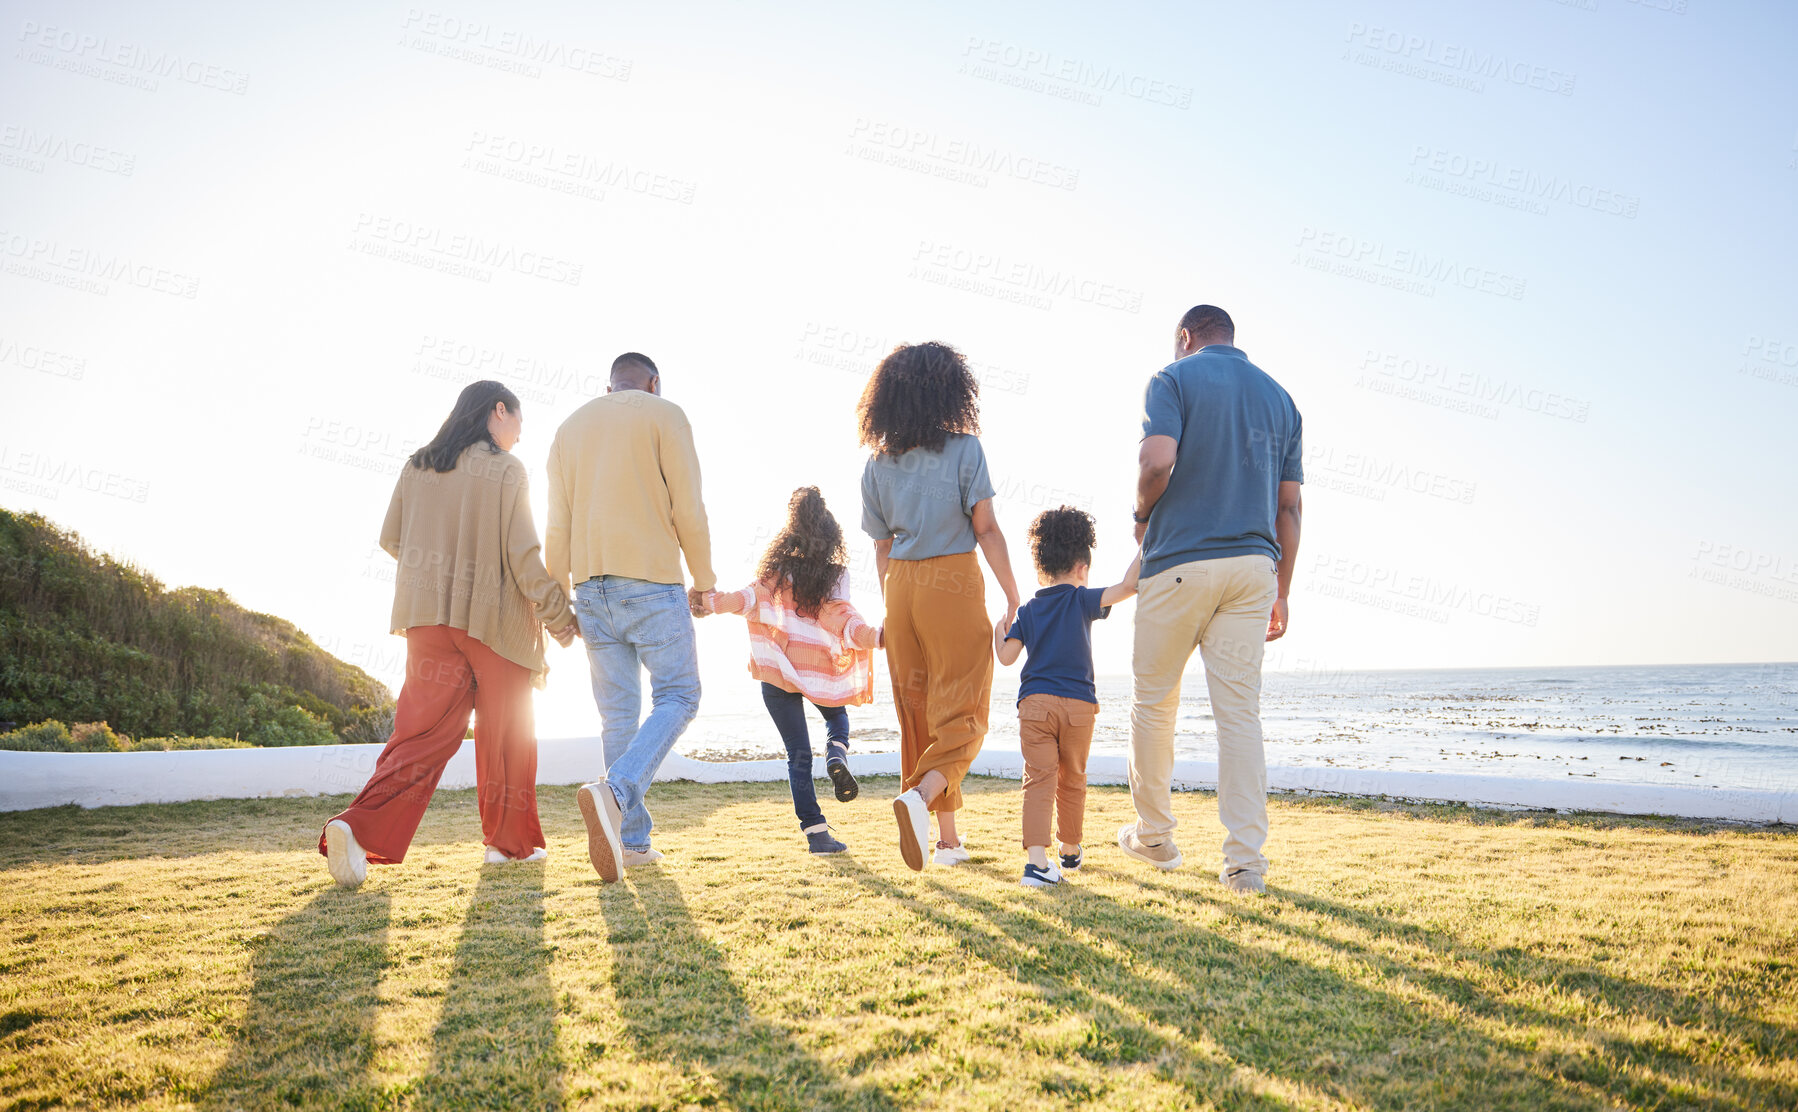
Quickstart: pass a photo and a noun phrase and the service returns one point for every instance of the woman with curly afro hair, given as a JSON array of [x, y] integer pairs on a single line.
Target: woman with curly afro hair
[[927, 501]]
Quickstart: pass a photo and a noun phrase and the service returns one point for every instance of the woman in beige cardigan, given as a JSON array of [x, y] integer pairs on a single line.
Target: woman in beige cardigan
[[472, 598]]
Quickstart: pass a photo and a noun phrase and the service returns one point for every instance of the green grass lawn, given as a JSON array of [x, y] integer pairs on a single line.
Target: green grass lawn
[[198, 955]]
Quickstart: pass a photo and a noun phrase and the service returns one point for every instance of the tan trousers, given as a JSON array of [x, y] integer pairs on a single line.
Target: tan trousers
[[939, 649], [1219, 607], [1056, 734]]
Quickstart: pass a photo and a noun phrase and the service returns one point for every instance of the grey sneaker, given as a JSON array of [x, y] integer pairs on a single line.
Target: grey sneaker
[[1242, 880], [599, 809], [820, 840], [1163, 855]]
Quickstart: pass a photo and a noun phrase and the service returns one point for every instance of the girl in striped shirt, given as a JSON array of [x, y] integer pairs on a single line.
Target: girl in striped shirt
[[807, 643]]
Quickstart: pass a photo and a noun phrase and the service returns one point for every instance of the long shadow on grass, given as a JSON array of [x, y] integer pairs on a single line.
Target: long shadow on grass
[[495, 1044], [307, 1037], [1196, 1004], [680, 1005], [1664, 1008]]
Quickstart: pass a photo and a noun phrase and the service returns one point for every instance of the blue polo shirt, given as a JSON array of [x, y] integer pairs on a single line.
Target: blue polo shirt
[[1056, 627], [1239, 437]]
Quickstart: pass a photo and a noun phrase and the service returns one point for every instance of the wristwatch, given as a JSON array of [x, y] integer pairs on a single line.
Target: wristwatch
[[1138, 520]]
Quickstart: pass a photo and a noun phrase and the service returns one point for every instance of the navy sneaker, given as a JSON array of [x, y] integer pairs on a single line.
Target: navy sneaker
[[1039, 876], [837, 765], [1072, 861], [821, 841]]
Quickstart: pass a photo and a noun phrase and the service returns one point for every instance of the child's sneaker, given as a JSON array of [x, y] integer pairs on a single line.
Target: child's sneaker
[[1072, 861], [837, 764], [820, 840], [952, 855], [1040, 876]]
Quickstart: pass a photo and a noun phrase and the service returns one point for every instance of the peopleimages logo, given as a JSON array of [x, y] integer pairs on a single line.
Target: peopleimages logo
[[89, 271], [946, 157], [457, 252], [29, 149], [1404, 268], [122, 63], [1045, 71], [1492, 180], [1455, 58]]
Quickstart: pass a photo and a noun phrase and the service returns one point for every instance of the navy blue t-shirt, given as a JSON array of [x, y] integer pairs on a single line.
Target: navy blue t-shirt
[[1056, 627]]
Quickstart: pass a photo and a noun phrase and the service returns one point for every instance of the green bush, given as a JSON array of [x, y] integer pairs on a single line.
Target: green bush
[[44, 737], [97, 737], [84, 638], [165, 744]]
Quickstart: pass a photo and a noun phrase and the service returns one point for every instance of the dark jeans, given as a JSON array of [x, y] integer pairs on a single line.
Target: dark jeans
[[787, 708]]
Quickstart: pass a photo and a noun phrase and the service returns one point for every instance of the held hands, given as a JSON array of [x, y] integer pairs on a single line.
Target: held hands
[[566, 635], [1276, 621], [698, 603]]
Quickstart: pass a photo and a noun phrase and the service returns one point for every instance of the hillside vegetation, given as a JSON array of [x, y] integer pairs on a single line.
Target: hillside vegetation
[[86, 639]]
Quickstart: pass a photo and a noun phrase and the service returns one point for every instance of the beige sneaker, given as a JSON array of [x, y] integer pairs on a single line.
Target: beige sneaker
[[599, 809], [1242, 880], [344, 856], [1164, 855], [635, 857]]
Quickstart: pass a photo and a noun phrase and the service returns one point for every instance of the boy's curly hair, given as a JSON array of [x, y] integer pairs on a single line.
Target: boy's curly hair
[[808, 555], [918, 395], [1060, 539]]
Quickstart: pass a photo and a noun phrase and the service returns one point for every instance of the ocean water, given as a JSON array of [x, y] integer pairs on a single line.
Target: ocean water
[[1726, 726]]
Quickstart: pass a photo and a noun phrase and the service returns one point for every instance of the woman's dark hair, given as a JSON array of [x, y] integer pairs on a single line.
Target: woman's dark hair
[[918, 395], [808, 555], [466, 424], [1061, 538]]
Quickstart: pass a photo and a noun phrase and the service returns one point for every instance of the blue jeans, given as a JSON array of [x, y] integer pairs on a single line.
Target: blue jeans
[[628, 624], [787, 708]]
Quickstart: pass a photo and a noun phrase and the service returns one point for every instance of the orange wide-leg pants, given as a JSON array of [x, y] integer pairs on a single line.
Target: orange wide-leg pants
[[449, 675], [940, 656]]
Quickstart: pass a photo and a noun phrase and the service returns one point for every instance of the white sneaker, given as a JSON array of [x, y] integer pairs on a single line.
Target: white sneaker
[[952, 855], [349, 864], [641, 857], [495, 857], [914, 829]]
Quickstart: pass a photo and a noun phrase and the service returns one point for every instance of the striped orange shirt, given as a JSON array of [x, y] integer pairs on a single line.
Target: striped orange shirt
[[829, 659]]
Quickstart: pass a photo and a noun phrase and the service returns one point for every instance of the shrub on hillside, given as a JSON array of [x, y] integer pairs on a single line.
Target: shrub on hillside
[[97, 737], [85, 638]]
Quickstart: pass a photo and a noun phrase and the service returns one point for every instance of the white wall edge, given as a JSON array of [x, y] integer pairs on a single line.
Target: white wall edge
[[31, 780]]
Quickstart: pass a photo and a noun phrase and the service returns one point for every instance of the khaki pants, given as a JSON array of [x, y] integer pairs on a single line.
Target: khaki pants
[[1056, 733], [1219, 607], [939, 646]]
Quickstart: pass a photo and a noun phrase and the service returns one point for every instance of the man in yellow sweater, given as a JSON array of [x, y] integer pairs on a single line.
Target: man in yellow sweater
[[624, 505]]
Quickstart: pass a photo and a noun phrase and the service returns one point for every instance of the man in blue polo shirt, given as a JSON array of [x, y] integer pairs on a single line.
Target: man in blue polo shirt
[[1217, 512]]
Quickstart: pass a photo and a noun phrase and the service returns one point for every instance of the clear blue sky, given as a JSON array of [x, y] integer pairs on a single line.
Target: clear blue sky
[[1527, 268]]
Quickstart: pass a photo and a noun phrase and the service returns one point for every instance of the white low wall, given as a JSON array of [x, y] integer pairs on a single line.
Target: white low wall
[[30, 780]]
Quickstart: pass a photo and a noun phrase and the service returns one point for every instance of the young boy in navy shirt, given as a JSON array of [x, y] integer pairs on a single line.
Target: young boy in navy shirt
[[1057, 701]]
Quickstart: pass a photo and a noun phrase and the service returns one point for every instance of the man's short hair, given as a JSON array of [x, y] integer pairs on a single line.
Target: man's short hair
[[1208, 320], [632, 358]]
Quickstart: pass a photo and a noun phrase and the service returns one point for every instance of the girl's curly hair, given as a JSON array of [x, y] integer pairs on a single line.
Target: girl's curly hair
[[918, 395], [808, 555], [1061, 538]]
